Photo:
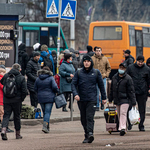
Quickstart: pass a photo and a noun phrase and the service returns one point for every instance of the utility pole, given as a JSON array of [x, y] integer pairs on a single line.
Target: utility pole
[[72, 34]]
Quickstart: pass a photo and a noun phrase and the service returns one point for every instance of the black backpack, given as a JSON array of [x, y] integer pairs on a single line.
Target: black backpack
[[47, 62], [10, 87]]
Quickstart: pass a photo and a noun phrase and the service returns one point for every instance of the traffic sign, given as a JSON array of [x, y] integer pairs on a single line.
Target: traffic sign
[[52, 8], [68, 9]]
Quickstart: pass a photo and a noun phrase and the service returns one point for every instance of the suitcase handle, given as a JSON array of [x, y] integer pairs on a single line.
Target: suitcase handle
[[109, 114]]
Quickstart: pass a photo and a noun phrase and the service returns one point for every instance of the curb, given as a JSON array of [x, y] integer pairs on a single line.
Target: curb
[[33, 122]]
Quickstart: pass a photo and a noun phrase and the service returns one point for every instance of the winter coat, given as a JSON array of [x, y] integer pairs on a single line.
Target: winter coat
[[102, 64], [45, 86], [44, 54], [23, 58], [74, 61], [122, 90], [1, 91], [31, 72], [140, 77], [21, 87], [85, 82], [65, 70], [129, 60]]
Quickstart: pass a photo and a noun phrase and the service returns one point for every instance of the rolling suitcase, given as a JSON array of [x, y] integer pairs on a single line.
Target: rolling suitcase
[[110, 114]]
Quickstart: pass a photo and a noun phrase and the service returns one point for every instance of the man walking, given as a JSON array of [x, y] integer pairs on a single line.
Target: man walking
[[140, 74], [85, 80], [32, 67], [128, 58], [15, 91], [102, 64]]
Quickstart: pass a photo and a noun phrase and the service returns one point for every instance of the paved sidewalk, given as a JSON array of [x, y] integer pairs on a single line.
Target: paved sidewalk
[[59, 116]]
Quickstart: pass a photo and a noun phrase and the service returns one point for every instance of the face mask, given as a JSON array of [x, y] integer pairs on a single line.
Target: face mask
[[121, 71]]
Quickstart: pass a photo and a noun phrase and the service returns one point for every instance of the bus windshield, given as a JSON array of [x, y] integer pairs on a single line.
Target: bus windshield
[[107, 33]]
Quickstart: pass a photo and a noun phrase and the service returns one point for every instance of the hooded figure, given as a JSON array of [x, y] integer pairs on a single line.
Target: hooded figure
[[128, 58], [85, 92], [148, 62], [90, 50], [23, 58]]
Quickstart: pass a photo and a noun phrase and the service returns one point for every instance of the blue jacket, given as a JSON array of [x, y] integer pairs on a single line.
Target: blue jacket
[[44, 53], [85, 81], [45, 86], [65, 70]]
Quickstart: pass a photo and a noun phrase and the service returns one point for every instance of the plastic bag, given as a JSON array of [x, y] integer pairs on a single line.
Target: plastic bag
[[134, 116]]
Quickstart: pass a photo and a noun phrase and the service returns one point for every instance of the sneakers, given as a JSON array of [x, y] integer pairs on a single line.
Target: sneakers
[[90, 137], [64, 109], [9, 130], [102, 106], [130, 127], [86, 139], [45, 129], [3, 134], [122, 132], [142, 129]]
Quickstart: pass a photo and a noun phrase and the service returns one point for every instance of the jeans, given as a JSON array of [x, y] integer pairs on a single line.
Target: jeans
[[8, 108], [47, 109], [104, 81]]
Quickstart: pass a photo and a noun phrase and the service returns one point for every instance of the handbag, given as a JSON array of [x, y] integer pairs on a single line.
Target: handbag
[[134, 116], [68, 79], [60, 101]]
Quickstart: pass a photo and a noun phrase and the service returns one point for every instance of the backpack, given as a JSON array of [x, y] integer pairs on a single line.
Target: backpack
[[57, 80], [47, 62], [10, 87]]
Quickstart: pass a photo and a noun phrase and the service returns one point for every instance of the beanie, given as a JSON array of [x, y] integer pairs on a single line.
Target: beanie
[[87, 57], [44, 47], [123, 64], [2, 66], [127, 51], [66, 51], [140, 57], [36, 54]]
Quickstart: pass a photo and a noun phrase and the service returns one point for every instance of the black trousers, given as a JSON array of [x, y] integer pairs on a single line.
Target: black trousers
[[33, 98], [141, 100], [68, 98], [8, 108], [87, 112], [130, 107]]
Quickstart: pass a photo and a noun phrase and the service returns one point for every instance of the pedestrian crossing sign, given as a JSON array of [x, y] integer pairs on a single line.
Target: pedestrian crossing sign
[[52, 8], [68, 9]]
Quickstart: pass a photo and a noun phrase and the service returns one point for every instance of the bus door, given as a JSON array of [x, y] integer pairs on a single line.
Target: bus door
[[30, 38], [139, 42]]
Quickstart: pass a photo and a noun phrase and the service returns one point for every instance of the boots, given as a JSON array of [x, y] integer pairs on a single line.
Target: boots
[[45, 125], [3, 134], [18, 136], [86, 139], [48, 126], [64, 109]]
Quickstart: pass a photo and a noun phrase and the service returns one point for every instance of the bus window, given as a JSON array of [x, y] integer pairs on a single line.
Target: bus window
[[44, 36], [132, 35], [107, 33], [20, 36], [31, 37], [146, 37]]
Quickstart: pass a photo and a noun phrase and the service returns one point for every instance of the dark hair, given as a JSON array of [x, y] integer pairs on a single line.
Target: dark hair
[[96, 47], [67, 56], [46, 68]]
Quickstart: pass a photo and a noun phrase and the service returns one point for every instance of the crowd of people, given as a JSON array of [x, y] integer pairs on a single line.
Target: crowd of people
[[85, 78]]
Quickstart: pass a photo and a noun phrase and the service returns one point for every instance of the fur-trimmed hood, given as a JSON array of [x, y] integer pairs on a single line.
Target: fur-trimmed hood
[[43, 74]]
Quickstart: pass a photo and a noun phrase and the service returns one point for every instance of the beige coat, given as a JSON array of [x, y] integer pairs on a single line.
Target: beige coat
[[59, 59], [102, 64]]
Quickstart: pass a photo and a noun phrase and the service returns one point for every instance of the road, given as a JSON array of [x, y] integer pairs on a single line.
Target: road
[[69, 136]]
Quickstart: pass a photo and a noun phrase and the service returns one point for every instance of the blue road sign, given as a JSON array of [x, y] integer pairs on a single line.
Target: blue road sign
[[68, 9], [52, 8]]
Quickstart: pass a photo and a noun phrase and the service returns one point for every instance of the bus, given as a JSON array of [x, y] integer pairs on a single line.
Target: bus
[[43, 33], [116, 36]]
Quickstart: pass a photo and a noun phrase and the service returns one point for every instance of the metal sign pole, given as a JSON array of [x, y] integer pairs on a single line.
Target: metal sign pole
[[58, 39], [71, 108]]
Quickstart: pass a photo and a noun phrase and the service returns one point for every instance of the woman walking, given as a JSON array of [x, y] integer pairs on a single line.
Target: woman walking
[[46, 88], [66, 72]]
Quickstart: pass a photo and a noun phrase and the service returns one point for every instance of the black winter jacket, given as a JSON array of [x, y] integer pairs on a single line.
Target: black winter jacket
[[140, 77], [122, 90], [129, 60], [86, 82], [21, 87], [31, 72]]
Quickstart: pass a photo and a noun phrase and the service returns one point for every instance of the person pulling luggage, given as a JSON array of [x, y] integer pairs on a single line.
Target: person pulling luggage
[[122, 93]]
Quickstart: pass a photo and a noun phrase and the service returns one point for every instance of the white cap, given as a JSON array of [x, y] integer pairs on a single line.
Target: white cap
[[36, 46]]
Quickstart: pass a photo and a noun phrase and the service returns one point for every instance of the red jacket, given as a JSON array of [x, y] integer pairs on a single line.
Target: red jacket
[[1, 91]]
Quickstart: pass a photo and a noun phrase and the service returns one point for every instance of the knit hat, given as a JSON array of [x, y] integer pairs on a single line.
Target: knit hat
[[123, 64], [71, 50], [66, 51], [22, 46], [76, 52], [36, 54], [87, 57], [140, 57], [127, 51], [44, 47], [2, 66]]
